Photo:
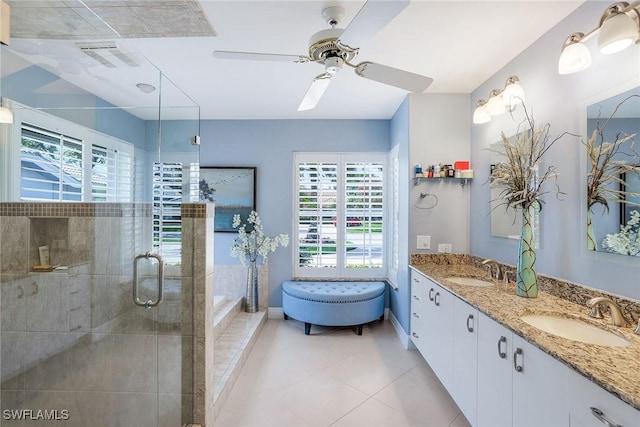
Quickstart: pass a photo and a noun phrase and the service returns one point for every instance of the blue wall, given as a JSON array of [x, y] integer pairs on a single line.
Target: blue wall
[[269, 145], [84, 109], [399, 299]]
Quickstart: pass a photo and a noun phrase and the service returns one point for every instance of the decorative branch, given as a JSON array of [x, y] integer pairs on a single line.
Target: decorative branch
[[523, 184], [604, 180]]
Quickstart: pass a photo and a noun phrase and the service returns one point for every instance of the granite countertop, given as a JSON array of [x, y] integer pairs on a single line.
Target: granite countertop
[[616, 369]]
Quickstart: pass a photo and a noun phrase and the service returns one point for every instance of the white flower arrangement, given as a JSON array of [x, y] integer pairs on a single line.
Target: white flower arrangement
[[627, 241], [249, 246]]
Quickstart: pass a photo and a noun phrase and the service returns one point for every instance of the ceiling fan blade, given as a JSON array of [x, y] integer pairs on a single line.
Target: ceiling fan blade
[[374, 16], [254, 56], [393, 76], [315, 91]]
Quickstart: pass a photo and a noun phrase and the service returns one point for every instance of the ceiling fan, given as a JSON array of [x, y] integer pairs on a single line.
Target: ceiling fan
[[336, 47]]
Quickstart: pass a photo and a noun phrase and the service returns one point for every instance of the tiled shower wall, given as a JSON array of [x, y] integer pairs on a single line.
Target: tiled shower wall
[[73, 339]]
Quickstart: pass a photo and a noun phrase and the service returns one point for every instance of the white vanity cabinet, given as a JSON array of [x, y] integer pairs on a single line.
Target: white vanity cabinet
[[495, 391], [417, 314], [592, 406], [433, 320], [465, 358], [518, 384]]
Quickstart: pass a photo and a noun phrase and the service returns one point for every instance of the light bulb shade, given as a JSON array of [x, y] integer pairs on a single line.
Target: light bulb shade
[[618, 32], [574, 57], [495, 105], [513, 94], [6, 116], [481, 114]]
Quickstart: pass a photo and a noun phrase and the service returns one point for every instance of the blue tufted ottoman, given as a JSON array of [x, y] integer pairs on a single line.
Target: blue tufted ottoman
[[333, 303]]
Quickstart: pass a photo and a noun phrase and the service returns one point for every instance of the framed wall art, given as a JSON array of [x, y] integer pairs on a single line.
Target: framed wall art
[[232, 189]]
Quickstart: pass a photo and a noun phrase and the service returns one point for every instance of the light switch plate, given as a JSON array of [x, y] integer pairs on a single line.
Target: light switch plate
[[423, 242]]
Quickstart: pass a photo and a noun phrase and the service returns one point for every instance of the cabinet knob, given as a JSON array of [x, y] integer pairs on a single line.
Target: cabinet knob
[[417, 298], [600, 415], [436, 299], [415, 335], [416, 315], [518, 367], [502, 353], [431, 294]]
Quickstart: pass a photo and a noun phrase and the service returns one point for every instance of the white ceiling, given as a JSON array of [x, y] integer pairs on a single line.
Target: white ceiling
[[460, 44]]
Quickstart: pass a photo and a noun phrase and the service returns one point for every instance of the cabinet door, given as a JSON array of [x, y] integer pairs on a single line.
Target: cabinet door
[[539, 387], [439, 332], [465, 358], [417, 320], [494, 403], [585, 395]]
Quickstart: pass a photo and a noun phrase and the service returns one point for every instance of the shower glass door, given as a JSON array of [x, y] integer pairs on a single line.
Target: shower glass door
[[96, 180]]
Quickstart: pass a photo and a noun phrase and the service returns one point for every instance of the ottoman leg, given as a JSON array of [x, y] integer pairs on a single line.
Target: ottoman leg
[[307, 328], [382, 317], [286, 316], [359, 329]]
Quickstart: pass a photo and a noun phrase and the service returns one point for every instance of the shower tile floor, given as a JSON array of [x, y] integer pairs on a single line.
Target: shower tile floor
[[336, 378]]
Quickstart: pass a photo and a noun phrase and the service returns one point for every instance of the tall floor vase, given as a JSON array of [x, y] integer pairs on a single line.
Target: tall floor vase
[[591, 238], [526, 280], [251, 295]]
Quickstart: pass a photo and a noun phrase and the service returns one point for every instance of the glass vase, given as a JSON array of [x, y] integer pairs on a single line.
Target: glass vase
[[251, 295], [526, 279]]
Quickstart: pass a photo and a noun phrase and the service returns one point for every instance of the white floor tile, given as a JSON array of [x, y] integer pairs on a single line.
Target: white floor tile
[[328, 378], [373, 413]]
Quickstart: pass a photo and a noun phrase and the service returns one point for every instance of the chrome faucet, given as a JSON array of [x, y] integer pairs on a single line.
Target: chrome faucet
[[490, 263], [617, 318]]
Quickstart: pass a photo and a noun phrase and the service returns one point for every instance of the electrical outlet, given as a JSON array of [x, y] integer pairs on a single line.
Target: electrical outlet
[[444, 248], [423, 242]]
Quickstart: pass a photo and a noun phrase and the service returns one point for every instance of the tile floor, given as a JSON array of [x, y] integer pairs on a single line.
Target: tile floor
[[336, 378]]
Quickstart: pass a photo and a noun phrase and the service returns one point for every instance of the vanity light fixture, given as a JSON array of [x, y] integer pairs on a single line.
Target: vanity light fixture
[[575, 55], [481, 114], [500, 101], [619, 28], [6, 116], [513, 94], [495, 105]]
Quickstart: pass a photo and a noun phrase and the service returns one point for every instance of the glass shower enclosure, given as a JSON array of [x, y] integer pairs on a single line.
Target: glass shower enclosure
[[96, 237]]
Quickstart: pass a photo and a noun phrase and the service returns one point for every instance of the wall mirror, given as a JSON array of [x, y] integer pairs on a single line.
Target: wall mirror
[[507, 222], [612, 161]]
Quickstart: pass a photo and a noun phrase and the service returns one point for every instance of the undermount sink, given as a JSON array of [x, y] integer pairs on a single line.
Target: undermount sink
[[468, 281], [575, 330]]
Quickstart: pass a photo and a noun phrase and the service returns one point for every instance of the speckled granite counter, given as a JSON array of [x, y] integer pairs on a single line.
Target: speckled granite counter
[[616, 369]]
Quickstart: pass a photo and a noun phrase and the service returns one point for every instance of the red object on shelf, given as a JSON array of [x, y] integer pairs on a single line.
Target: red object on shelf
[[461, 165]]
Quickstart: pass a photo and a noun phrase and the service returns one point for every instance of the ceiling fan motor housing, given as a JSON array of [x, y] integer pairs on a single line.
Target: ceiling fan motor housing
[[323, 45]]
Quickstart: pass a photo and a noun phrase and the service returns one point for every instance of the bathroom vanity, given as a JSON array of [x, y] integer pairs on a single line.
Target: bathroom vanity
[[501, 370]]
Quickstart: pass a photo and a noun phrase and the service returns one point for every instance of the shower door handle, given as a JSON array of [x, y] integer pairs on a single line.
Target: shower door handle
[[136, 298]]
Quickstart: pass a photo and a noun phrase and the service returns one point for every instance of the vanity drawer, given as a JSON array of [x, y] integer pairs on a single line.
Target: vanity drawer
[[584, 395]]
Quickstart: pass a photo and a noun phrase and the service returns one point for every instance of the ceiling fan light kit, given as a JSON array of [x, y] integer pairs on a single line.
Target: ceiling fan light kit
[[334, 48], [618, 29]]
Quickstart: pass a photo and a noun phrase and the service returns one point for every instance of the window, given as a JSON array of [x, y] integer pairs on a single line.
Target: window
[[340, 215], [111, 175], [167, 218], [51, 165], [63, 161]]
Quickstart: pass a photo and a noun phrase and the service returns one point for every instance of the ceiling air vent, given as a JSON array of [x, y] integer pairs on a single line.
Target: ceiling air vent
[[107, 53]]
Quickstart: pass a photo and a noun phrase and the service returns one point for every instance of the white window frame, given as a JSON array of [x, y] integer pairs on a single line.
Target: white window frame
[[340, 271], [10, 158]]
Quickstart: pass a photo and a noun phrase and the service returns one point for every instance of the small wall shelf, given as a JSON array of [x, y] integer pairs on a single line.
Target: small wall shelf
[[418, 179]]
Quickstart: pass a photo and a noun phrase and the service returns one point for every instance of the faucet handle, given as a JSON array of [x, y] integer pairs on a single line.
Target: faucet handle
[[506, 274], [596, 312], [637, 329]]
